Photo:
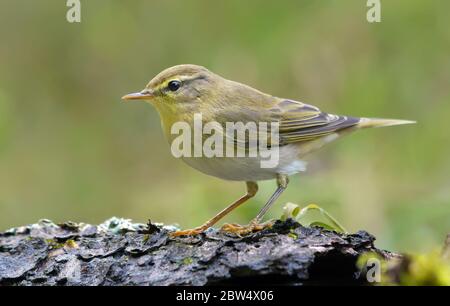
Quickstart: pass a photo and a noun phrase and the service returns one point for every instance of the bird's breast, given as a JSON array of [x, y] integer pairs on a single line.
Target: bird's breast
[[250, 168]]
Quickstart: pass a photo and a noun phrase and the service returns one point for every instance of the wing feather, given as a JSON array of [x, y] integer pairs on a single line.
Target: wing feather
[[303, 122], [298, 122]]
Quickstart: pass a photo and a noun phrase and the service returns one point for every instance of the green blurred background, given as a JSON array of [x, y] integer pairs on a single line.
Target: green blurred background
[[69, 149]]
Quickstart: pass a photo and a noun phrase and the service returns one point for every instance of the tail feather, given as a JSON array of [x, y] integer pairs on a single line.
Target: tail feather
[[379, 122]]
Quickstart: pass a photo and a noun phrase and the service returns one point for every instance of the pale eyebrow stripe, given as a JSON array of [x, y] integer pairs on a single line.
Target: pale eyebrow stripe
[[195, 77], [163, 85]]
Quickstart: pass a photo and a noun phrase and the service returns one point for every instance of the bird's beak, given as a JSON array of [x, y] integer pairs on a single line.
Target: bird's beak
[[143, 95]]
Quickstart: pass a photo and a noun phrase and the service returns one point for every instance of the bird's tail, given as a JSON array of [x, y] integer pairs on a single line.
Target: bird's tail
[[379, 122]]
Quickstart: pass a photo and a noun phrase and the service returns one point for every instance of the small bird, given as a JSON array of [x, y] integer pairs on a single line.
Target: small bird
[[181, 91]]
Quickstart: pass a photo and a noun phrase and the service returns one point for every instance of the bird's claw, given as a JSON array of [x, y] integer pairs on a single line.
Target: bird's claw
[[188, 232], [242, 230]]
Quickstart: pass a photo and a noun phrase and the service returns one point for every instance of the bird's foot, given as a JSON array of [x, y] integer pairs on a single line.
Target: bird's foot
[[188, 232], [242, 230]]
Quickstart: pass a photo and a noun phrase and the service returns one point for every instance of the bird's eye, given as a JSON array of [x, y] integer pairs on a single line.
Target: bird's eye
[[174, 85]]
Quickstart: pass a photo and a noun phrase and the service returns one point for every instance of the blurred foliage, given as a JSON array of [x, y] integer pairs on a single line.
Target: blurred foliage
[[429, 269], [69, 149]]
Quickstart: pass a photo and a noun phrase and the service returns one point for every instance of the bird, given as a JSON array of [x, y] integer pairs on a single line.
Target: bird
[[181, 91]]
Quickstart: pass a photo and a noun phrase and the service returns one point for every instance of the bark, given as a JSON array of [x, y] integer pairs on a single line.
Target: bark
[[119, 252]]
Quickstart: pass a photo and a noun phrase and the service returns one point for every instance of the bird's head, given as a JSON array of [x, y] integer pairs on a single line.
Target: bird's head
[[179, 88]]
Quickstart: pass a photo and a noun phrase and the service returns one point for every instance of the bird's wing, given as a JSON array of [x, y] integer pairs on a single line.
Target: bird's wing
[[297, 121], [302, 122]]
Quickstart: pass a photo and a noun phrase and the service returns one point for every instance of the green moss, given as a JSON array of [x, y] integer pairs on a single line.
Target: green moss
[[71, 244], [53, 244], [188, 261], [292, 234], [145, 238], [429, 269]]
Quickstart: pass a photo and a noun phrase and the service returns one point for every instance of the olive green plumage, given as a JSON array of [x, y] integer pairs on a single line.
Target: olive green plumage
[[181, 91], [222, 100]]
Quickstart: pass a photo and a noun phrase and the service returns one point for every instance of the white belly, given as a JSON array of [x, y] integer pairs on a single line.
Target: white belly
[[249, 168]]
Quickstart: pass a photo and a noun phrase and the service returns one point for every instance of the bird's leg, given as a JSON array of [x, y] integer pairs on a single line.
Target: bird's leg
[[252, 188], [255, 225]]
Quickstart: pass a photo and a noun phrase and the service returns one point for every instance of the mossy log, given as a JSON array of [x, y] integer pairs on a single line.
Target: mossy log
[[119, 252]]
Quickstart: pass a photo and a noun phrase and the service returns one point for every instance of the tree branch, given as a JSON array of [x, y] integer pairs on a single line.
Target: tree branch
[[119, 252]]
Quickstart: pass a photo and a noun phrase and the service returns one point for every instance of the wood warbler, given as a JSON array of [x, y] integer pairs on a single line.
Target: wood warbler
[[181, 91]]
